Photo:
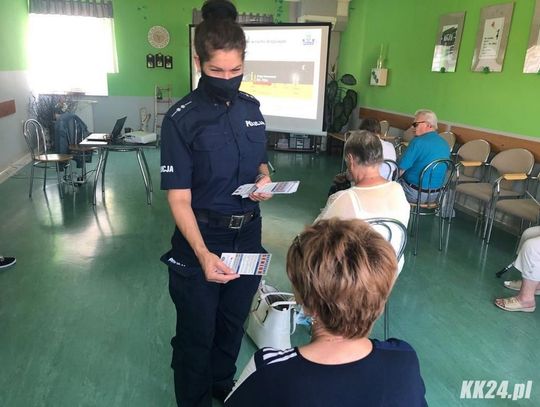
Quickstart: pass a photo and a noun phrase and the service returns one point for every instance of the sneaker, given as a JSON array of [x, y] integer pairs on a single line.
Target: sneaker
[[7, 261]]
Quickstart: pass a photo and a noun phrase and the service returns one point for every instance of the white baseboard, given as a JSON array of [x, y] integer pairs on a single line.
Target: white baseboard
[[15, 167]]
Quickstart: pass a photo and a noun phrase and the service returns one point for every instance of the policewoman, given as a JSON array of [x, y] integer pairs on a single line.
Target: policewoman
[[213, 140]]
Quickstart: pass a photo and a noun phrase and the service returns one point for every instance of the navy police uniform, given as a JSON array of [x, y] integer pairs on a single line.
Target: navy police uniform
[[211, 148]]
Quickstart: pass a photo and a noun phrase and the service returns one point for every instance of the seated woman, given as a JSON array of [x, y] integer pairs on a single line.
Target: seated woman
[[342, 273], [372, 196], [528, 263], [341, 181]]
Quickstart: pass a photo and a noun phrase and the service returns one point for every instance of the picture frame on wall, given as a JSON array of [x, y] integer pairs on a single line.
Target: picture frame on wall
[[532, 57], [492, 38], [447, 43]]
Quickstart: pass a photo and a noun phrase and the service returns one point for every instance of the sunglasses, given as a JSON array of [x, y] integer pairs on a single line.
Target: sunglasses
[[415, 124]]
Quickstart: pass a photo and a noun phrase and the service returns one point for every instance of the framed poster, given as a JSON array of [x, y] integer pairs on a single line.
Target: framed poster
[[446, 50], [532, 58], [492, 38]]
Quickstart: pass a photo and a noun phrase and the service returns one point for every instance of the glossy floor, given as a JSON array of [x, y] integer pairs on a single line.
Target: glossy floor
[[85, 315]]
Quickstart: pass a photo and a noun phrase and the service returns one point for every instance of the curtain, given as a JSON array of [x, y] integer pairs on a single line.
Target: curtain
[[84, 8]]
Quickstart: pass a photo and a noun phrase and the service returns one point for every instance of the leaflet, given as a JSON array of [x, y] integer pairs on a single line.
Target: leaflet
[[283, 187], [255, 264]]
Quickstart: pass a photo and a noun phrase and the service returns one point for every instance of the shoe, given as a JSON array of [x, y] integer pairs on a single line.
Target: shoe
[[7, 261], [512, 304], [516, 286]]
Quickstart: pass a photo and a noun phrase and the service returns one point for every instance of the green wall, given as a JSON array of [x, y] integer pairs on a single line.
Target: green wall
[[133, 20], [508, 101], [13, 23]]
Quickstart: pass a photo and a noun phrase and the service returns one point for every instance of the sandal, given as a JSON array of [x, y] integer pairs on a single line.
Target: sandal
[[516, 286], [512, 304]]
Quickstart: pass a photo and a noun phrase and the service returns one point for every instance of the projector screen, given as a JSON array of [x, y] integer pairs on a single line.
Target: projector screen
[[285, 69]]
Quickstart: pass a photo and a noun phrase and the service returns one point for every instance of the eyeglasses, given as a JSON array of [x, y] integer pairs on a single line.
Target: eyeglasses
[[415, 124]]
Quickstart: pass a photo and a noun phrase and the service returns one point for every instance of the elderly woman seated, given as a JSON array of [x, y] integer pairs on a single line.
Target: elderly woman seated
[[372, 195], [528, 263], [342, 273]]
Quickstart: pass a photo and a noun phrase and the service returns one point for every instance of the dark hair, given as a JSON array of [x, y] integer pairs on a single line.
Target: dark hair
[[364, 146], [371, 124], [218, 30], [342, 272]]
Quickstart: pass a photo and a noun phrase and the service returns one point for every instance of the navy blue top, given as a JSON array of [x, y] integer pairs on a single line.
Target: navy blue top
[[212, 149], [420, 152], [388, 376]]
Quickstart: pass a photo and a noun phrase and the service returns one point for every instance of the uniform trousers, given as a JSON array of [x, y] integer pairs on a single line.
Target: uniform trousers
[[210, 316]]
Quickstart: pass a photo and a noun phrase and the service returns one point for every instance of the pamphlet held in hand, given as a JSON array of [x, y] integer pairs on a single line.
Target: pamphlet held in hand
[[283, 187], [254, 264]]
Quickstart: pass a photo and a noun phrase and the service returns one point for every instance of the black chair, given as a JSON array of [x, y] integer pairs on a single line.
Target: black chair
[[433, 199]]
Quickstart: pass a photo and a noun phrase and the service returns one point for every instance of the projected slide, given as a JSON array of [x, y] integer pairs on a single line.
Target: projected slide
[[282, 69], [287, 79]]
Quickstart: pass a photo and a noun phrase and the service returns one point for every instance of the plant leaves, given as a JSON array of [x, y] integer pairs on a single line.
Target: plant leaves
[[348, 79]]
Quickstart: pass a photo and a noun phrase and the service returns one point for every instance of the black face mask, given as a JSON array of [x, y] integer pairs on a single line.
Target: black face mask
[[224, 90]]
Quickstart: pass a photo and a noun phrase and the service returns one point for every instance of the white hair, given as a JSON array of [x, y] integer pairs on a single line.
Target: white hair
[[428, 115]]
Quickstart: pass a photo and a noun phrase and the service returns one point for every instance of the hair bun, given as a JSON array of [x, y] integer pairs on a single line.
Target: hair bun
[[218, 9]]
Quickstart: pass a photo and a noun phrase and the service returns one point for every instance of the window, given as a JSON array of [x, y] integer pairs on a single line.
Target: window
[[70, 53]]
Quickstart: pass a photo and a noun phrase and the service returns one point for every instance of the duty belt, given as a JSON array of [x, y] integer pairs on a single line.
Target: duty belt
[[224, 221]]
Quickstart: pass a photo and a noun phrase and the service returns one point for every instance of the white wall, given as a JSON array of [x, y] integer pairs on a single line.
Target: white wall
[[13, 150]]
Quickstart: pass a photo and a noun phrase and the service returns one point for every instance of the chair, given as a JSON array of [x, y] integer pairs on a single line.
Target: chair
[[76, 131], [408, 135], [526, 207], [394, 232], [450, 138], [389, 169], [470, 160], [431, 200], [385, 126], [513, 167], [37, 144]]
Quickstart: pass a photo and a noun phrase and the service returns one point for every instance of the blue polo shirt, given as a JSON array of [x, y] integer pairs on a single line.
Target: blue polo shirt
[[212, 148], [421, 151]]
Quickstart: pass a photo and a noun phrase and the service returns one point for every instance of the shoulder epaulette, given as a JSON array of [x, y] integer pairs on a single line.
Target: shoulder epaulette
[[181, 107], [247, 96]]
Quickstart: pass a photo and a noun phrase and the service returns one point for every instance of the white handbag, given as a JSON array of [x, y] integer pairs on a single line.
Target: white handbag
[[271, 320]]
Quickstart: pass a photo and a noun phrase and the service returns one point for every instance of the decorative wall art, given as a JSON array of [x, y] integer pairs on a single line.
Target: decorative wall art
[[532, 58], [447, 44], [158, 36], [150, 63], [492, 38]]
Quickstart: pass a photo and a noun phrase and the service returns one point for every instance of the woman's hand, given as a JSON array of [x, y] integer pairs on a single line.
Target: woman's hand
[[261, 196], [215, 271]]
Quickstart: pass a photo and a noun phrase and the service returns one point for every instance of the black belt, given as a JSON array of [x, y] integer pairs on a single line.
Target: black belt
[[423, 190], [225, 221]]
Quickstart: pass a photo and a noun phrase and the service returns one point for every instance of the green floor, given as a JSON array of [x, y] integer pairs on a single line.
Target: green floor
[[85, 315]]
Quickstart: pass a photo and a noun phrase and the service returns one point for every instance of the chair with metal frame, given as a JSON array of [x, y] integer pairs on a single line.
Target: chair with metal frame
[[392, 169], [512, 167], [394, 232], [430, 200], [76, 132], [34, 136], [450, 138], [525, 207]]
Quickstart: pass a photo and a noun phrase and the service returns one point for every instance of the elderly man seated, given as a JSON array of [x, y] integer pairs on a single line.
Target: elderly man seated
[[426, 147]]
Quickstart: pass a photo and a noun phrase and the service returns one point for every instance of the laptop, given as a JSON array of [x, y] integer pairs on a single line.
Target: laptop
[[113, 136]]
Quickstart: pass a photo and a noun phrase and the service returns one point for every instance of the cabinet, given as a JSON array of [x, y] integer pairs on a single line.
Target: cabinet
[[162, 103]]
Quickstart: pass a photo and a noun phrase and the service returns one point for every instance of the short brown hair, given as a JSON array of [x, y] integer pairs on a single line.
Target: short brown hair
[[342, 272]]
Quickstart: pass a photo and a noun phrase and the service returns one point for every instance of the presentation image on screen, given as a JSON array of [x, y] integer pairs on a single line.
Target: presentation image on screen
[[285, 69]]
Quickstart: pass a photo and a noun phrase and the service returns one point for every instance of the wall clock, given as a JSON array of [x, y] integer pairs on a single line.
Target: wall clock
[[158, 36]]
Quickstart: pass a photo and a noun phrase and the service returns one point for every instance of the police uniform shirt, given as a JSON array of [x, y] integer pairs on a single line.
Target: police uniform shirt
[[212, 149]]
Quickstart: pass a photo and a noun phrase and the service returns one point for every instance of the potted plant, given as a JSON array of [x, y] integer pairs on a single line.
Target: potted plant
[[340, 101]]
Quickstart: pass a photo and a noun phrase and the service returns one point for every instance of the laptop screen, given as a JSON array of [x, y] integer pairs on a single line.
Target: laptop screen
[[118, 128]]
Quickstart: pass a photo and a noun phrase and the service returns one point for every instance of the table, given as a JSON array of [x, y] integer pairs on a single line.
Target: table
[[104, 147]]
